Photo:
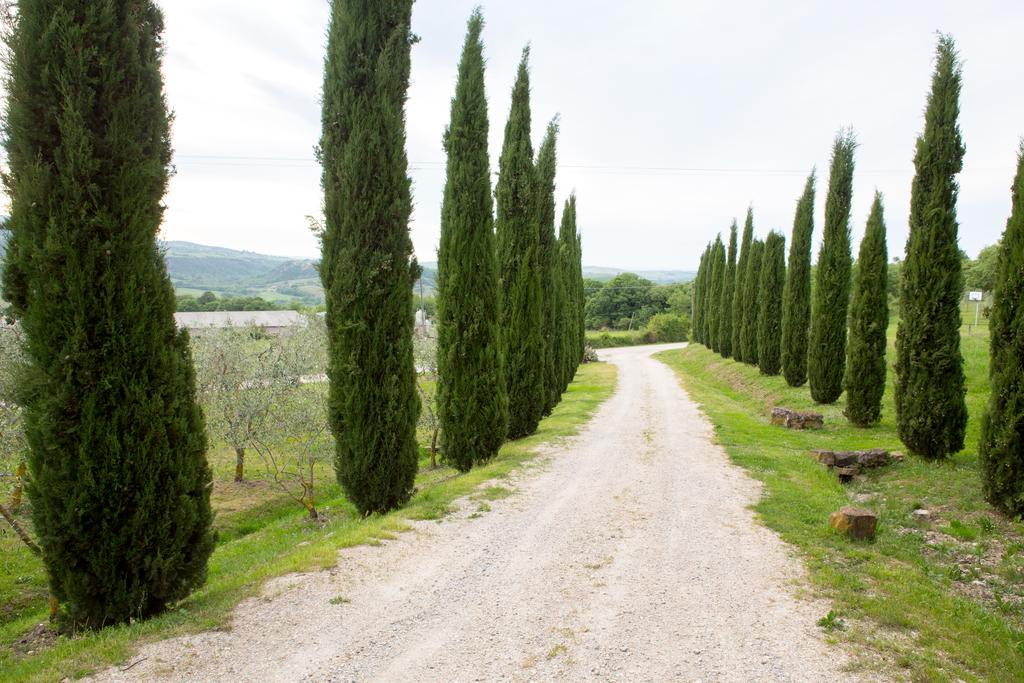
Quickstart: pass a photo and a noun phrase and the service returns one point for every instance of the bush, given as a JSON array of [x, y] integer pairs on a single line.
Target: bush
[[669, 327]]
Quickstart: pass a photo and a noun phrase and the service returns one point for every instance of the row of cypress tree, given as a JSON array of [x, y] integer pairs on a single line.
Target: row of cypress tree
[[845, 348], [777, 325], [510, 290], [119, 482]]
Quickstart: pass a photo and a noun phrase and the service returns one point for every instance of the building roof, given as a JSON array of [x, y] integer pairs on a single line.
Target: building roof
[[218, 319]]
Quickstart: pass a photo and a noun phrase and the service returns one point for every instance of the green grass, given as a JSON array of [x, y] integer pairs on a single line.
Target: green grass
[[934, 600], [265, 537]]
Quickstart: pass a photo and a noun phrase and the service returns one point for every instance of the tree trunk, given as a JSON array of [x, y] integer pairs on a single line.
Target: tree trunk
[[239, 464], [19, 487], [18, 529], [433, 450]]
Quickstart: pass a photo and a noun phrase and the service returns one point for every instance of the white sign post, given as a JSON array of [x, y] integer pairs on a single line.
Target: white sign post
[[976, 297]]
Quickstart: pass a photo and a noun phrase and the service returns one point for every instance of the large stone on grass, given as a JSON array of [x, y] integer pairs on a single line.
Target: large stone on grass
[[795, 419], [875, 457], [856, 523]]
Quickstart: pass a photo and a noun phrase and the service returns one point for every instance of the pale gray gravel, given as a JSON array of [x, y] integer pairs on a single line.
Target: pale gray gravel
[[630, 555]]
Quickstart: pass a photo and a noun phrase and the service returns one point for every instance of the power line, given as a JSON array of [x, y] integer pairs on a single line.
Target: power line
[[301, 162]]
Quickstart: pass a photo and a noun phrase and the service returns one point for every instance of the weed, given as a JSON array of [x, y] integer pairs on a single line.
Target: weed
[[832, 622]]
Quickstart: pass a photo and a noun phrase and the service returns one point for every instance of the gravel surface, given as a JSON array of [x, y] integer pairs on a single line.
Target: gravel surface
[[630, 555]]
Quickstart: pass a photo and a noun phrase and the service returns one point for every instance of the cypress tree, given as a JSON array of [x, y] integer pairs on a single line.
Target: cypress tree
[[931, 413], [769, 314], [796, 307], [869, 320], [752, 302], [1002, 427], [580, 297], [572, 287], [827, 351], [119, 482], [740, 290], [547, 263], [367, 268], [698, 295], [725, 305], [519, 259], [471, 401], [715, 292]]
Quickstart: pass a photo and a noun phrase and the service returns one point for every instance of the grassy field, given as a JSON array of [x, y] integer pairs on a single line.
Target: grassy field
[[926, 600], [263, 534]]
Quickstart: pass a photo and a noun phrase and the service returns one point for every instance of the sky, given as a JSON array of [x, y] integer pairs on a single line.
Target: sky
[[675, 116]]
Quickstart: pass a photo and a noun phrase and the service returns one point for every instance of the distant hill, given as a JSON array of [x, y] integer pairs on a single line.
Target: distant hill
[[658, 277], [197, 268]]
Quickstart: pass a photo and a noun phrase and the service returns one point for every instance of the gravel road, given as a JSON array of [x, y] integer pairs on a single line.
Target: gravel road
[[630, 554]]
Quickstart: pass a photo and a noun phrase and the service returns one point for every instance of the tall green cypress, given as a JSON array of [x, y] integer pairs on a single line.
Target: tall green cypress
[[472, 403], [547, 263], [714, 303], [752, 302], [699, 288], [1002, 427], [796, 306], [725, 303], [367, 267], [931, 413], [572, 288], [740, 289], [869, 321], [769, 313], [519, 259], [119, 485], [827, 350], [580, 297]]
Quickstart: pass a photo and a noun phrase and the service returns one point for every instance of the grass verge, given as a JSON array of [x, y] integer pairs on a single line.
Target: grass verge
[[932, 600], [268, 540]]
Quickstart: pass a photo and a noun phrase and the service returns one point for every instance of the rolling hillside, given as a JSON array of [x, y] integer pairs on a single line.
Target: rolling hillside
[[197, 268]]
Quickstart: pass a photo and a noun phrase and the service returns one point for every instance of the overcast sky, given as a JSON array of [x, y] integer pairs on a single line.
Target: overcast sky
[[675, 115]]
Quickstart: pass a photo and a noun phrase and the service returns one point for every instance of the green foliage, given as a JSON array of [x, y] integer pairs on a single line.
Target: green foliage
[[714, 301], [550, 281], [119, 482], [573, 316], [698, 295], [930, 410], [980, 274], [796, 303], [520, 263], [367, 267], [472, 403], [211, 302], [669, 327], [725, 302], [752, 302], [740, 292], [869, 320], [827, 350], [769, 314], [625, 300], [1002, 440]]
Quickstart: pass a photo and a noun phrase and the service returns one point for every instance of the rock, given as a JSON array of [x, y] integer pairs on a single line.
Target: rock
[[856, 523], [827, 458], [921, 515], [846, 474], [875, 457], [794, 419], [847, 459]]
